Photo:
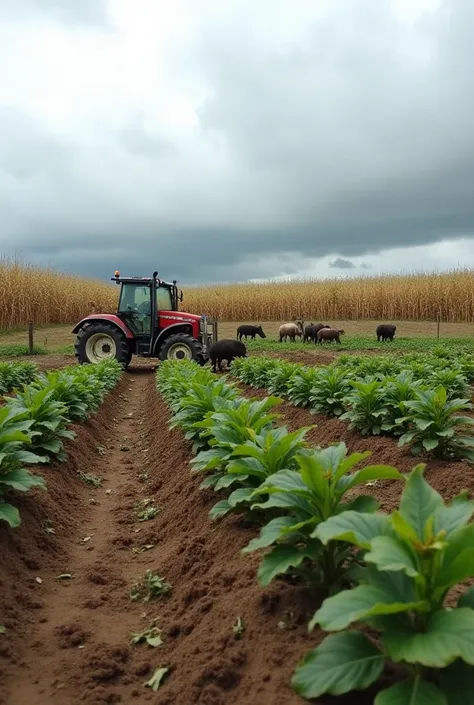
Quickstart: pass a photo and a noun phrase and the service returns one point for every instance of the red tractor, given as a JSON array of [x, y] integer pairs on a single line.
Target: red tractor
[[147, 323]]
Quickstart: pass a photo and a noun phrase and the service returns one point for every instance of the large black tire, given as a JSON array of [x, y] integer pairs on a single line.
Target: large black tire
[[101, 341], [182, 347]]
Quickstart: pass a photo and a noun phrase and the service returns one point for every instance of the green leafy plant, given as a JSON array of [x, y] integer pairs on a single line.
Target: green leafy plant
[[300, 385], [151, 585], [397, 391], [16, 374], [414, 557], [436, 425], [330, 388], [255, 460], [367, 407], [306, 497], [15, 439]]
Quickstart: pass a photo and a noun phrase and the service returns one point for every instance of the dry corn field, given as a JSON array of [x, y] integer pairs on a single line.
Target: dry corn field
[[49, 297], [416, 297], [29, 293]]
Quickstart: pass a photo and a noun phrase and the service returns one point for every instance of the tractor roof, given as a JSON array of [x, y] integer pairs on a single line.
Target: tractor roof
[[139, 280]]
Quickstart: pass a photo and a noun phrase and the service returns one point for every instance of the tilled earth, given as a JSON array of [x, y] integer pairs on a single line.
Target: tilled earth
[[68, 638]]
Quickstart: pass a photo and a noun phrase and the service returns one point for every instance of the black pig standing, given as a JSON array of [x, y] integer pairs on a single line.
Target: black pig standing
[[385, 331], [226, 350], [251, 331]]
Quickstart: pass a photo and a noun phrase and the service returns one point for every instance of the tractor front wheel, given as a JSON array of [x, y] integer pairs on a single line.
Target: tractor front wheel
[[181, 347], [101, 341]]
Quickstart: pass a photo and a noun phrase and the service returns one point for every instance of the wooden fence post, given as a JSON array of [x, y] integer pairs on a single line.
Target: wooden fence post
[[438, 319], [31, 346]]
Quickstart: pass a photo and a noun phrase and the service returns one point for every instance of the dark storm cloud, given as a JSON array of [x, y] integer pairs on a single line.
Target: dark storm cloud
[[341, 263], [69, 12], [356, 140]]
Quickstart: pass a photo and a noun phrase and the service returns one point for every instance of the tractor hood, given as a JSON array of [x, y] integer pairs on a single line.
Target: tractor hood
[[180, 316]]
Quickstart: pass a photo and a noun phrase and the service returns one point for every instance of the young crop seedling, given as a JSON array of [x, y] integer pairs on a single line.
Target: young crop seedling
[[414, 557], [239, 628], [151, 635], [146, 511], [151, 585], [307, 496]]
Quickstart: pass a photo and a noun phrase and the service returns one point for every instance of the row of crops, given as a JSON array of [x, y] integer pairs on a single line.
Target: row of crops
[[391, 573], [34, 421], [422, 400]]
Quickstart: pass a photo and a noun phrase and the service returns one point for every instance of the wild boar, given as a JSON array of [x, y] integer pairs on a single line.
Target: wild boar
[[329, 335], [311, 331], [385, 331], [226, 349], [251, 331], [291, 330]]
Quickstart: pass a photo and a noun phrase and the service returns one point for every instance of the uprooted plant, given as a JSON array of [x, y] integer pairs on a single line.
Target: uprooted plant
[[306, 496], [151, 585], [414, 557]]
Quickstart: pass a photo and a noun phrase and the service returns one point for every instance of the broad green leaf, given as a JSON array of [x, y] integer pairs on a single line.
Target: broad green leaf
[[278, 560], [269, 533], [243, 494], [412, 692], [430, 443], [458, 559], [449, 635], [373, 472], [355, 527], [456, 681], [392, 554], [419, 501], [403, 528], [227, 481], [284, 480], [10, 514], [363, 503], [22, 480], [343, 662], [363, 601], [220, 509], [452, 518]]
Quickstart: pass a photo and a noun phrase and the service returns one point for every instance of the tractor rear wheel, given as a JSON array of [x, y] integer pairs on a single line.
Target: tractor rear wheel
[[101, 341], [181, 347]]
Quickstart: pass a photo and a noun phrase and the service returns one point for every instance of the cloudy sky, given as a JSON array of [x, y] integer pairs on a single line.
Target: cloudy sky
[[237, 139]]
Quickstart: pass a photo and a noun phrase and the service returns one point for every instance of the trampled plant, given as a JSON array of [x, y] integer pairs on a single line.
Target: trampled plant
[[307, 495], [414, 558], [332, 384], [436, 425], [15, 439], [367, 407]]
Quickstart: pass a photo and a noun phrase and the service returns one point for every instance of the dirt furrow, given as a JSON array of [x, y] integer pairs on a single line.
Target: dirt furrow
[[74, 645]]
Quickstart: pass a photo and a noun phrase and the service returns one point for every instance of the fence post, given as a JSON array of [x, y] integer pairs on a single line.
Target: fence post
[[31, 346], [438, 319]]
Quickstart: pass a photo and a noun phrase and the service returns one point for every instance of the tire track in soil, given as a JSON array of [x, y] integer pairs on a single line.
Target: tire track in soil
[[213, 585]]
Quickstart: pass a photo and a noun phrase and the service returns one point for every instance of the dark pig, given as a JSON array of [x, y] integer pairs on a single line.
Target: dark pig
[[251, 331], [226, 350], [311, 331], [385, 331], [329, 335]]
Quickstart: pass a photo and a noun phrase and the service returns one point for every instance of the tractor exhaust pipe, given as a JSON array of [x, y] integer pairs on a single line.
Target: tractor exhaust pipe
[[153, 311]]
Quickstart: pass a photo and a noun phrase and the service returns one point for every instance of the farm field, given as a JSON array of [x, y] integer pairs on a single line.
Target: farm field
[[125, 502]]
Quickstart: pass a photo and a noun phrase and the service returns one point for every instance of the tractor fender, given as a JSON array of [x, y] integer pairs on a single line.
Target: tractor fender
[[109, 318], [170, 330]]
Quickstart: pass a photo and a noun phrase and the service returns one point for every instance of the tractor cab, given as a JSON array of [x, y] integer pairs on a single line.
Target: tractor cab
[[147, 323]]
